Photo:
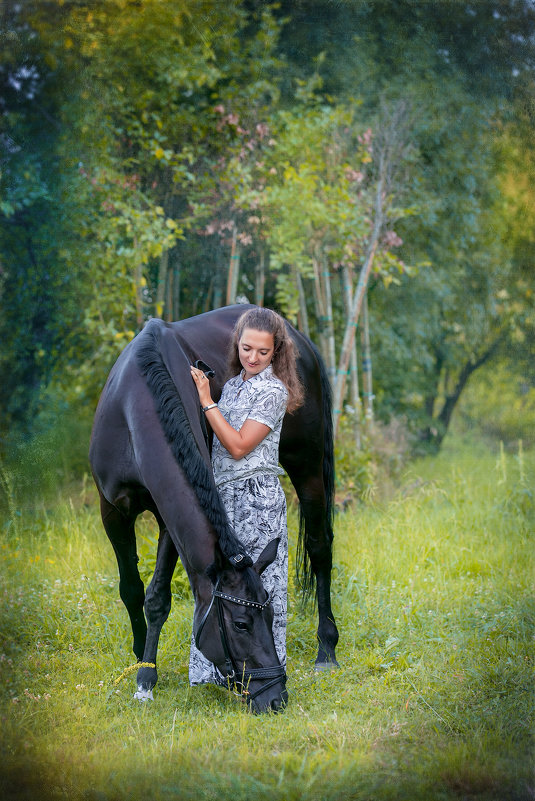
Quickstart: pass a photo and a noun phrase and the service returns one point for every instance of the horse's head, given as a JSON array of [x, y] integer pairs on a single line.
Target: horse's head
[[235, 633]]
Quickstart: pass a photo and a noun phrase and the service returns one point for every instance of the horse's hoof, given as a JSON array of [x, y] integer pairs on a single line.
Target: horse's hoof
[[143, 695], [323, 666]]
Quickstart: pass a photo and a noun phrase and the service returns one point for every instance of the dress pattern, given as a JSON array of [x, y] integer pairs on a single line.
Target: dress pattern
[[253, 497]]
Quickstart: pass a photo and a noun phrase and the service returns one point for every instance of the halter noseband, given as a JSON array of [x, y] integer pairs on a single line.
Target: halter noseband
[[274, 673]]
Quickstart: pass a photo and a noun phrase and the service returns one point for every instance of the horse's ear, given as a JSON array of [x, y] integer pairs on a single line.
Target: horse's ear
[[267, 556]]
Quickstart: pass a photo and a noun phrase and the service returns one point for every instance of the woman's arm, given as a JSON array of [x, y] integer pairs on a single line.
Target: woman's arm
[[238, 443]]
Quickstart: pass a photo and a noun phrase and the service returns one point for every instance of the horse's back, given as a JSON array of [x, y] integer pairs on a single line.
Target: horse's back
[[127, 427], [128, 447]]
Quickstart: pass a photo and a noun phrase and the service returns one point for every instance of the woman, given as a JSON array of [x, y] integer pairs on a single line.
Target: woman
[[247, 423]]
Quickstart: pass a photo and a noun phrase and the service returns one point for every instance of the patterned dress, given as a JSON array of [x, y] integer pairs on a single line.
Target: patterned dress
[[253, 497]]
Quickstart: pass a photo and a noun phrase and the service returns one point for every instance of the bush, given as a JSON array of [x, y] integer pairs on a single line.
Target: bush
[[53, 457], [374, 468], [500, 404]]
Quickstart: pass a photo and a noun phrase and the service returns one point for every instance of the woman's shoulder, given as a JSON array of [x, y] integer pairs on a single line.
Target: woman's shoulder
[[277, 382], [272, 382]]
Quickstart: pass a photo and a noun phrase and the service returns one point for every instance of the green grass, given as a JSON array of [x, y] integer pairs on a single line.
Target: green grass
[[433, 594]]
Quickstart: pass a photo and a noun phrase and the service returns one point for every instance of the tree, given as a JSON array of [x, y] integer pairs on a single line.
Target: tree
[[37, 285], [151, 146], [129, 94], [462, 67]]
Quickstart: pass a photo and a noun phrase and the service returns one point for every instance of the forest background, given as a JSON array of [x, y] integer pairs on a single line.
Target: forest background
[[367, 168]]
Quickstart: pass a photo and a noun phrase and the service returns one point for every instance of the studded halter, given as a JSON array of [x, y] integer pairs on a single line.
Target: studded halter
[[242, 678]]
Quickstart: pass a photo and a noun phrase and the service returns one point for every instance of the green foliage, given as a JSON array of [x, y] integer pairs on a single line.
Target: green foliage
[[37, 289], [92, 203], [500, 404], [470, 296], [432, 592], [371, 469], [55, 455], [139, 138], [318, 203]]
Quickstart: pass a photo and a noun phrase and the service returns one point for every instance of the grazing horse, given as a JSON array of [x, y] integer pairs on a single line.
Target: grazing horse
[[150, 451]]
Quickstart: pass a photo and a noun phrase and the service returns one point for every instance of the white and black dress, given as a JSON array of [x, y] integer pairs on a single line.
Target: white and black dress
[[253, 497]]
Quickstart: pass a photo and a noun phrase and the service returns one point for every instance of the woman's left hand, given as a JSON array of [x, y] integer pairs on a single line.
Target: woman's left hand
[[203, 386]]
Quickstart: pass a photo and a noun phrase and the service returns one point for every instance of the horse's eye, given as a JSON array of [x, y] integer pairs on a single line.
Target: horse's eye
[[239, 625]]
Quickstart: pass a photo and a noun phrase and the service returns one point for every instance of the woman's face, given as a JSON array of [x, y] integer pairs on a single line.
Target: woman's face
[[255, 351]]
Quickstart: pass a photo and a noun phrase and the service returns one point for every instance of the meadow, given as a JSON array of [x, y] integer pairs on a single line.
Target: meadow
[[433, 595]]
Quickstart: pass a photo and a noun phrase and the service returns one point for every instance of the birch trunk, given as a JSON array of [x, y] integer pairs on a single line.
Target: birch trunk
[[353, 368], [356, 304], [391, 147], [234, 268], [367, 383], [302, 316], [319, 305], [327, 294]]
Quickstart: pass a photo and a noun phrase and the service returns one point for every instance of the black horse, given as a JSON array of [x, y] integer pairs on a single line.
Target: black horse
[[150, 451]]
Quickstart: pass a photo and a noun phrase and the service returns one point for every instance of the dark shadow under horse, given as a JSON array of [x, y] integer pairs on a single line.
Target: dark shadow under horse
[[149, 451]]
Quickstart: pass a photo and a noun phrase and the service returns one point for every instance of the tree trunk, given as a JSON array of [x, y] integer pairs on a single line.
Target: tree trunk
[[367, 383], [431, 398], [176, 287], [260, 278], [435, 433], [353, 364], [208, 297], [163, 269], [356, 304], [321, 316], [219, 279], [327, 294], [234, 268], [138, 290], [302, 315], [169, 291]]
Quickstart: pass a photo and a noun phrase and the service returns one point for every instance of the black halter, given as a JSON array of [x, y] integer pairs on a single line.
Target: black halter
[[243, 677]]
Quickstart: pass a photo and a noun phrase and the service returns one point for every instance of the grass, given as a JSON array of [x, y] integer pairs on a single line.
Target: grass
[[433, 594]]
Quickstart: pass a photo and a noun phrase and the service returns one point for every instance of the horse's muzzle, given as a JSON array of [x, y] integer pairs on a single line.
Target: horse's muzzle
[[272, 699]]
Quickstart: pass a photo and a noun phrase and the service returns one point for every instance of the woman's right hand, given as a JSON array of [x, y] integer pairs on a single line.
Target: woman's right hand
[[203, 386]]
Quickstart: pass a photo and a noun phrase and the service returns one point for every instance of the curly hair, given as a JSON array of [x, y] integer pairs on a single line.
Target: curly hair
[[284, 356]]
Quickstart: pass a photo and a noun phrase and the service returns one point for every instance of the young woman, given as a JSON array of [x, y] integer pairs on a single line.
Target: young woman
[[247, 423]]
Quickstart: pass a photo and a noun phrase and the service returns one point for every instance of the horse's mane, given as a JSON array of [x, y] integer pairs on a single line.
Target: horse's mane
[[178, 433]]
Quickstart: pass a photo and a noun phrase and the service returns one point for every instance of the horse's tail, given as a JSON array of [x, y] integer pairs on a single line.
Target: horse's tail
[[305, 575], [179, 435]]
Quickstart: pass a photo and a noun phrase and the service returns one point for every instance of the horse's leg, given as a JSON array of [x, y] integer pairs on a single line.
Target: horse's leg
[[318, 543], [121, 533], [157, 608]]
